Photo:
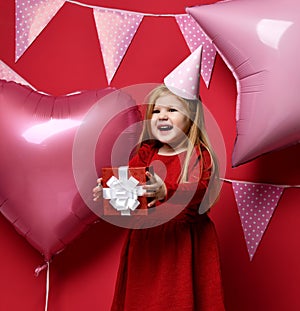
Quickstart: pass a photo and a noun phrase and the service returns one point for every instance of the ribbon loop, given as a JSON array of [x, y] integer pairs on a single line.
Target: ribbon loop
[[123, 193]]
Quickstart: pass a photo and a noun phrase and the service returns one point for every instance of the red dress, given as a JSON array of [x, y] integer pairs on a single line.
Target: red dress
[[174, 266]]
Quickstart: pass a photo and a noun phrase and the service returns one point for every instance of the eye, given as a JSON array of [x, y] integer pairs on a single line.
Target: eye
[[173, 110], [155, 111]]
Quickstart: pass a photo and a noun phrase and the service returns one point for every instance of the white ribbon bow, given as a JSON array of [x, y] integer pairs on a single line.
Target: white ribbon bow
[[123, 192]]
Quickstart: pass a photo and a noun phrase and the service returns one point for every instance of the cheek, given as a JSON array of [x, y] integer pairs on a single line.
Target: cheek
[[152, 124], [181, 121], [185, 125]]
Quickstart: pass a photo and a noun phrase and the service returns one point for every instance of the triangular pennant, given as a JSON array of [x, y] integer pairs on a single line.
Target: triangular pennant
[[256, 204], [194, 37], [8, 74], [116, 30], [32, 16]]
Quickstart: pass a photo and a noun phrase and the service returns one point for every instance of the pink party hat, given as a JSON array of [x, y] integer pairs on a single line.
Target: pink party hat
[[184, 80]]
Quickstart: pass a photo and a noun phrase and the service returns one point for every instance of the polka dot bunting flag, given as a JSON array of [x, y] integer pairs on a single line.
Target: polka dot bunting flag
[[116, 30], [32, 16], [8, 74], [256, 204], [194, 37]]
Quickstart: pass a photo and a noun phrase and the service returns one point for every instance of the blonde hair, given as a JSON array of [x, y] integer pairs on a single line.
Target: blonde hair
[[196, 135]]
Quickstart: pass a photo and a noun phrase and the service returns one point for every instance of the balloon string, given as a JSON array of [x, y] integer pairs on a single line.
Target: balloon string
[[37, 272], [47, 285]]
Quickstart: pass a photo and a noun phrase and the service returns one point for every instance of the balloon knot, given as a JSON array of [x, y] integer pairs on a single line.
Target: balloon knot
[[40, 268]]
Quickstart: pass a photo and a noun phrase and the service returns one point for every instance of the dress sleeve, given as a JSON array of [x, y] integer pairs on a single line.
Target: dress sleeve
[[192, 191]]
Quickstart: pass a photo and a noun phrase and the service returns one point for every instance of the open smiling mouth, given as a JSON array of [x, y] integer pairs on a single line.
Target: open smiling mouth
[[165, 128]]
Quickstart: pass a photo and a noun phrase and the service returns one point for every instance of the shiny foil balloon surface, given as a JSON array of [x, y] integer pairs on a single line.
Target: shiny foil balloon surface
[[259, 41], [38, 192]]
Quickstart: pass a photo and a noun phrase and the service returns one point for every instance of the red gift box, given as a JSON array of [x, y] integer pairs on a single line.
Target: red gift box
[[120, 185]]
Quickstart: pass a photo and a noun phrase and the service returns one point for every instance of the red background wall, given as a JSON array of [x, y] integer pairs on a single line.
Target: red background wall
[[66, 58]]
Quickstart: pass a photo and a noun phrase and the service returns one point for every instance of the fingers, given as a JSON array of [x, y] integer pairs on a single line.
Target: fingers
[[154, 189], [151, 187], [97, 195], [151, 177], [97, 191], [151, 191], [157, 195], [152, 203]]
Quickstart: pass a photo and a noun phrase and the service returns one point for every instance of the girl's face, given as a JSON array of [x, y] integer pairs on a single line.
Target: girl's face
[[170, 120]]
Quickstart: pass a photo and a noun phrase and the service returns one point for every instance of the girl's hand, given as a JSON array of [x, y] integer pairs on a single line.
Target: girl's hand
[[97, 191], [155, 188]]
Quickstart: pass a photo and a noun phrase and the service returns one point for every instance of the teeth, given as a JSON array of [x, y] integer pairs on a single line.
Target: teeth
[[165, 127]]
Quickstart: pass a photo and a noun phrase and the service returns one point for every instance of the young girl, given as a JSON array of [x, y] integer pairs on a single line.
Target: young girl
[[175, 265]]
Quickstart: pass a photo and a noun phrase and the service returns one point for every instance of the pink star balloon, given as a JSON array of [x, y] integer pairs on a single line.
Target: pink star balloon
[[259, 41]]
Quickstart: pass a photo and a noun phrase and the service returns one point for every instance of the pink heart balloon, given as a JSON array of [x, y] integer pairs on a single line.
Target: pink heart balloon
[[259, 41], [38, 192]]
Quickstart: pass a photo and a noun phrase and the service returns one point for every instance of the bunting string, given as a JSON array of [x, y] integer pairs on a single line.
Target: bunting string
[[115, 27], [256, 183], [123, 11]]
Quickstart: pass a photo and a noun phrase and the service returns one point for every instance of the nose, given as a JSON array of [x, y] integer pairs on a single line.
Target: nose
[[163, 115]]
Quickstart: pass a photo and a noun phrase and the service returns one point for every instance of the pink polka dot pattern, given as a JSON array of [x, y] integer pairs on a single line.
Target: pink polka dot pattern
[[194, 37], [32, 16], [115, 31], [184, 79], [256, 204], [6, 73]]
